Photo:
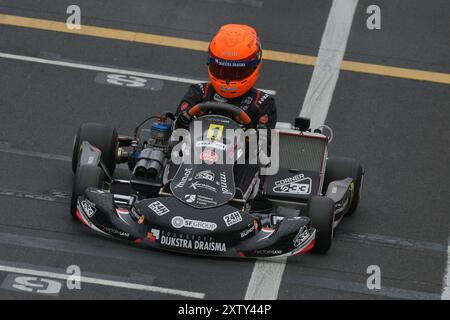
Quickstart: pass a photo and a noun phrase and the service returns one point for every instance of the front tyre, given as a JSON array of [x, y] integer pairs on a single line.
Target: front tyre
[[85, 177], [321, 213], [101, 136], [339, 168]]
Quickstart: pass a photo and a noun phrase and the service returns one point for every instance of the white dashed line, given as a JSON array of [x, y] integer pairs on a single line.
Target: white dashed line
[[83, 66]]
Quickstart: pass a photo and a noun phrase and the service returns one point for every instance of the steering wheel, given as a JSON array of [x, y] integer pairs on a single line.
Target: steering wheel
[[234, 112]]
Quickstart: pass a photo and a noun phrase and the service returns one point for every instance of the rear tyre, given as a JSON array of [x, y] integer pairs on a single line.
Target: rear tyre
[[101, 136], [321, 213], [339, 168], [86, 176]]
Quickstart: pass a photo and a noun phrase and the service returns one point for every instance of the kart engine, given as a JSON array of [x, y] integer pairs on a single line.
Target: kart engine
[[152, 160]]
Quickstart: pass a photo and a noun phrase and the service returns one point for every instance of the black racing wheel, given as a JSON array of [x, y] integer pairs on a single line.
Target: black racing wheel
[[339, 168], [85, 177], [321, 212], [101, 136]]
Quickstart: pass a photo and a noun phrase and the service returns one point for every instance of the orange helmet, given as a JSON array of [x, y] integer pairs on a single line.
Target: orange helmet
[[234, 60]]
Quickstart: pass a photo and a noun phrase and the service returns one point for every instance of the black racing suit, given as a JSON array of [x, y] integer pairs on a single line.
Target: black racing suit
[[259, 105]]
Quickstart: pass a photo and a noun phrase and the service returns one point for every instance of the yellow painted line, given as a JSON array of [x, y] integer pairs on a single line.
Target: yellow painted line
[[396, 72], [197, 45]]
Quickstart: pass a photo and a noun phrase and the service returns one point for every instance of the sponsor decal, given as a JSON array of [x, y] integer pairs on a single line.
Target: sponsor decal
[[185, 178], [206, 175], [202, 89], [205, 201], [214, 131], [158, 208], [225, 63], [227, 88], [223, 184], [189, 198], [248, 231], [232, 218], [88, 207], [135, 214], [211, 144], [116, 232], [230, 53], [141, 220], [180, 222], [263, 98], [193, 244], [298, 184], [153, 235], [184, 106], [219, 98], [247, 102], [195, 185], [270, 252], [209, 156], [301, 236]]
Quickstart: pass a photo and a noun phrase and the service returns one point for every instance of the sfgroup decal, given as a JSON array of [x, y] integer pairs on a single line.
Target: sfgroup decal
[[158, 208], [298, 184], [232, 218], [88, 207], [180, 222]]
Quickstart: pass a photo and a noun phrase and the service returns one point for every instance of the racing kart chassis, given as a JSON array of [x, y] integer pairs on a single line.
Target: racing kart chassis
[[189, 211]]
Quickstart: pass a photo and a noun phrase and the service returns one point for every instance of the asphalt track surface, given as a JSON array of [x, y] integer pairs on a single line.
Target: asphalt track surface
[[398, 128]]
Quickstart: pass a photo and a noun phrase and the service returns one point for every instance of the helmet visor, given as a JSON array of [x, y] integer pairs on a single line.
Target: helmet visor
[[232, 70]]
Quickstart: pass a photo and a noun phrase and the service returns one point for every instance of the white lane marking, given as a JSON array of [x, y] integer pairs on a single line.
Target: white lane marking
[[446, 283], [103, 282], [266, 279], [326, 71], [315, 106], [82, 66]]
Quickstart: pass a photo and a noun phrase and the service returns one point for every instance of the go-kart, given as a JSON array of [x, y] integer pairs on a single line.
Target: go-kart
[[205, 206]]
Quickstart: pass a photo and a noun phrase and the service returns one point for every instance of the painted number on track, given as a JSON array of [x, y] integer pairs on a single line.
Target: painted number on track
[[128, 81], [32, 284]]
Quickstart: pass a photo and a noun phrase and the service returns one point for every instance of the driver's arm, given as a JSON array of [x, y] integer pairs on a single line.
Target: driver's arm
[[192, 97]]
